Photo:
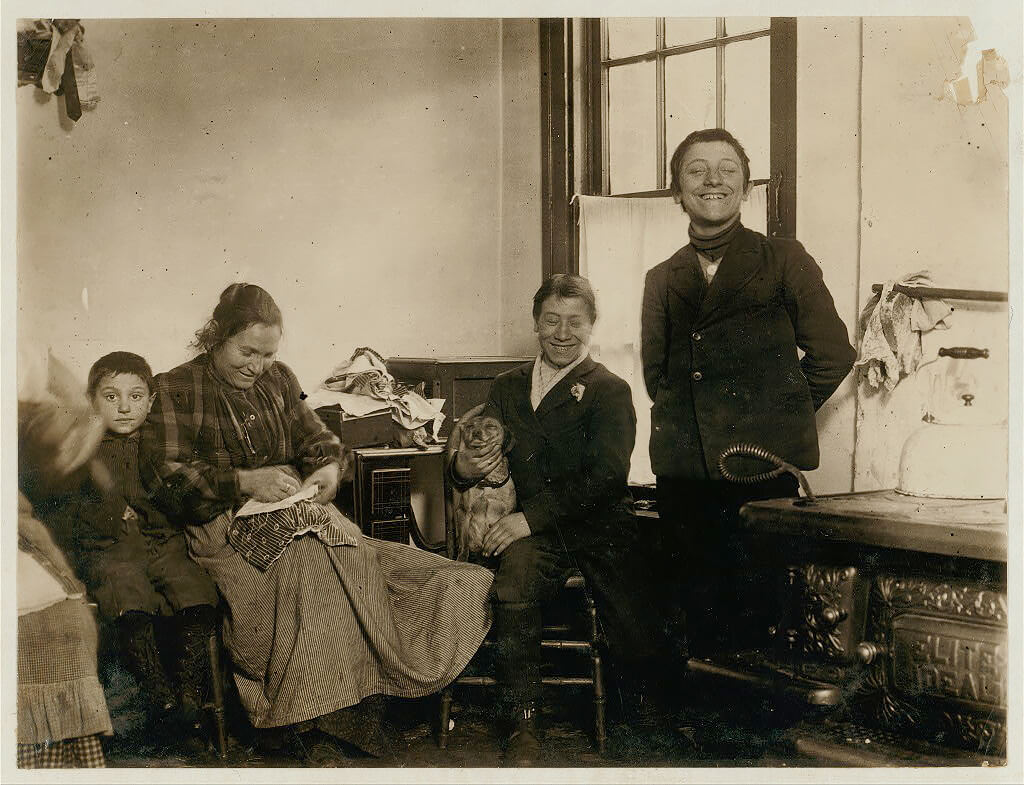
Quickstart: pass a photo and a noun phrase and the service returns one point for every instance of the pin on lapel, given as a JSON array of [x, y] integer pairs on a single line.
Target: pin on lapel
[[577, 391]]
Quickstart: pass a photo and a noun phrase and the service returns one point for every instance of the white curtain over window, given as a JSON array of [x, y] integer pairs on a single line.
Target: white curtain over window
[[621, 238]]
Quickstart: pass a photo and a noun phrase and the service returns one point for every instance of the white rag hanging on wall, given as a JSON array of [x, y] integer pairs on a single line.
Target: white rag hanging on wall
[[891, 325]]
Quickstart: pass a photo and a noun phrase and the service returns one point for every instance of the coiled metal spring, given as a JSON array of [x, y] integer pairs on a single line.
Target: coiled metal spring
[[756, 451]]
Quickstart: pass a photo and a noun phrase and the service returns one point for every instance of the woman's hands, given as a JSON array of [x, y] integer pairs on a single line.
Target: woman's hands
[[274, 483], [504, 532], [269, 483], [327, 477]]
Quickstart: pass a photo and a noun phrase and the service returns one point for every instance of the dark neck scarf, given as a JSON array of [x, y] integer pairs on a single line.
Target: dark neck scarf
[[714, 246]]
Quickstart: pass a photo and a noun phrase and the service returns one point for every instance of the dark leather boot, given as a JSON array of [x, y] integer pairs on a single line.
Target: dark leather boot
[[523, 747], [197, 624], [140, 655]]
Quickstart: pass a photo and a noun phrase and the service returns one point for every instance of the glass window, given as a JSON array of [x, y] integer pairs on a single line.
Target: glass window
[[641, 99], [748, 101], [688, 30], [630, 35], [632, 128], [655, 94], [734, 25], [690, 97]]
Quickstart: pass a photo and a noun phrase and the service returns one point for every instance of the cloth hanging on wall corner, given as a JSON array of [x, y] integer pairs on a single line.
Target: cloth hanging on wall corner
[[56, 63], [52, 55], [891, 325], [85, 76]]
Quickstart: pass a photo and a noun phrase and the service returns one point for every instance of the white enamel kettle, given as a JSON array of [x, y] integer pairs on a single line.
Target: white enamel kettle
[[961, 452]]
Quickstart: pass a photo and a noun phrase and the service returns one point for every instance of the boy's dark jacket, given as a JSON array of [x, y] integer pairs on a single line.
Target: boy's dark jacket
[[95, 518], [721, 362]]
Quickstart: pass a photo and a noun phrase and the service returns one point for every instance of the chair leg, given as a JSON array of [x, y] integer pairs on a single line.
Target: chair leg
[[217, 681], [600, 736], [445, 716]]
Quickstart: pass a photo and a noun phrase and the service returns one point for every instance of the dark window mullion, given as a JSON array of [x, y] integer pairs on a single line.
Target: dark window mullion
[[661, 192], [591, 111], [606, 181], [783, 134], [682, 49], [660, 98], [720, 72], [558, 231]]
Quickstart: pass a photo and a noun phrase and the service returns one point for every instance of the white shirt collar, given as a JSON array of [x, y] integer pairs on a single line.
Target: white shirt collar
[[542, 382]]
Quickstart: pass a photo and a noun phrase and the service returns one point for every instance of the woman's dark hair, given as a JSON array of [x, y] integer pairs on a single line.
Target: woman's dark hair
[[564, 285], [706, 135], [117, 363], [241, 306]]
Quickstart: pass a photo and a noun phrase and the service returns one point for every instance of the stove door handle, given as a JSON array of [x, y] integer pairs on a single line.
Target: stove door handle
[[869, 651], [963, 353]]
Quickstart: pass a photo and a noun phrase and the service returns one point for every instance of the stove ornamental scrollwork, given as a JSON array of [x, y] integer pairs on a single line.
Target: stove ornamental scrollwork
[[965, 602], [826, 604], [937, 658], [892, 619]]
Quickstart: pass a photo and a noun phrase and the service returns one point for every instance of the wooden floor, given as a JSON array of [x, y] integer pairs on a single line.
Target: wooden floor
[[724, 736]]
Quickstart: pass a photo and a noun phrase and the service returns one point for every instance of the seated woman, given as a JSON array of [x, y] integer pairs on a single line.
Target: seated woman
[[324, 626]]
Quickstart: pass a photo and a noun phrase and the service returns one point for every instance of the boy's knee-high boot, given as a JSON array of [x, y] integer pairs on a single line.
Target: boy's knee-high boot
[[138, 649], [197, 624]]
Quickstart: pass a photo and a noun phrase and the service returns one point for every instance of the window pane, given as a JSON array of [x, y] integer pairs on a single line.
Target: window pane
[[689, 96], [632, 141], [748, 100], [630, 35], [688, 30], [734, 25]]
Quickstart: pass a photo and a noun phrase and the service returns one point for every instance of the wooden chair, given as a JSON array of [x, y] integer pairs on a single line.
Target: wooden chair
[[577, 634]]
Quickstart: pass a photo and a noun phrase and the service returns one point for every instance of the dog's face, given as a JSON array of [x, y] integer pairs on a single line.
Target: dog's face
[[481, 432]]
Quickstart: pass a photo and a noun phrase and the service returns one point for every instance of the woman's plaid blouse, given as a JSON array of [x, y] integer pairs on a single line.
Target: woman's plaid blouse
[[201, 431]]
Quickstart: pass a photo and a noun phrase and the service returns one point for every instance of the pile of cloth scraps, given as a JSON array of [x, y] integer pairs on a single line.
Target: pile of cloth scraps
[[891, 325], [362, 385]]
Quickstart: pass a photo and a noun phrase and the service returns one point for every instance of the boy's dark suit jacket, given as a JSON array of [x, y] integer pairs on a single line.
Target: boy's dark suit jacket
[[720, 361], [570, 460]]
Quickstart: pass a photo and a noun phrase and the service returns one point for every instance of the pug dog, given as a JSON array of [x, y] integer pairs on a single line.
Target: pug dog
[[478, 508]]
